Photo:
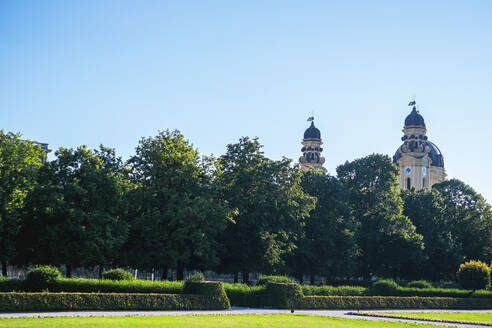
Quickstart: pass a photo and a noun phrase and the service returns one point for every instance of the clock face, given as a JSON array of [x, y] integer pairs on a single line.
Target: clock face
[[408, 170], [424, 171]]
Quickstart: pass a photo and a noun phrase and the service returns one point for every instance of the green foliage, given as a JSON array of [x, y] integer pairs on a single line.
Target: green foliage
[[327, 245], [384, 287], [443, 250], [177, 212], [271, 208], [196, 277], [474, 275], [117, 274], [28, 302], [263, 280], [470, 219], [334, 290], [122, 286], [42, 277], [213, 289], [74, 215], [384, 302], [282, 295], [12, 285], [19, 162], [245, 295], [389, 245], [419, 284]]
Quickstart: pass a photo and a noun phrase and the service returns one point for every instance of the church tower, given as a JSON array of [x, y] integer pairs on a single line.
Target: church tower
[[420, 161], [311, 149]]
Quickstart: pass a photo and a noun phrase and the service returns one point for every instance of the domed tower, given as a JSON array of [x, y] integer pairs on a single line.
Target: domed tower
[[311, 149], [420, 161]]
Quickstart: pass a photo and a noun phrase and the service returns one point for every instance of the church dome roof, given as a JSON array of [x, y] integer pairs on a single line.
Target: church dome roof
[[434, 154], [312, 132], [415, 119]]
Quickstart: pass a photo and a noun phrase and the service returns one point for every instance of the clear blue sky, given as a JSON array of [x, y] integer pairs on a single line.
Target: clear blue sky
[[91, 72]]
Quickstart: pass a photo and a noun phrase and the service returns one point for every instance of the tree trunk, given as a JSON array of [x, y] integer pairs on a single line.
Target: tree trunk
[[101, 269], [301, 279], [180, 272], [312, 280], [236, 277], [246, 278], [69, 271], [164, 272], [4, 268]]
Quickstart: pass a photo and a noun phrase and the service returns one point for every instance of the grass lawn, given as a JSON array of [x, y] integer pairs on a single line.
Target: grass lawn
[[271, 320], [455, 316]]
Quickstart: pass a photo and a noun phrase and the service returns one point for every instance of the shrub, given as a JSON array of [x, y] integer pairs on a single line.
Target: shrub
[[384, 288], [244, 295], [117, 286], [334, 291], [213, 289], [385, 302], [263, 280], [42, 277], [12, 285], [23, 302], [282, 295], [117, 274], [419, 284], [474, 275], [197, 277]]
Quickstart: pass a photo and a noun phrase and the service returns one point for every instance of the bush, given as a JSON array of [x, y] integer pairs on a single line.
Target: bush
[[23, 302], [81, 285], [12, 285], [244, 295], [384, 288], [334, 291], [384, 302], [282, 295], [213, 289], [474, 275], [264, 280], [117, 274], [42, 277], [419, 284], [197, 277]]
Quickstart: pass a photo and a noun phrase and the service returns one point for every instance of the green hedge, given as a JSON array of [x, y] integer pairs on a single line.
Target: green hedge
[[25, 302], [80, 285], [244, 295], [385, 302], [334, 291], [213, 289]]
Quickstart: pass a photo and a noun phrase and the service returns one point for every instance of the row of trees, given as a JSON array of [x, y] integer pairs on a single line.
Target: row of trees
[[167, 207]]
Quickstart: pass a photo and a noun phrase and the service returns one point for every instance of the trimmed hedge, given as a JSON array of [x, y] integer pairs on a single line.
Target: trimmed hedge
[[244, 295], [25, 302], [282, 295], [213, 289], [42, 277], [385, 302]]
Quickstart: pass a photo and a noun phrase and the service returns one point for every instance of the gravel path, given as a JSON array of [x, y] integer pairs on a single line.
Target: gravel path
[[238, 310]]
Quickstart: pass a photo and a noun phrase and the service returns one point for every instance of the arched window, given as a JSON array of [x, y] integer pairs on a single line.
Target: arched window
[[408, 183]]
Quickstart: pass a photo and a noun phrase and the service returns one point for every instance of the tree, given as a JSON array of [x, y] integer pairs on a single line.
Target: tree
[[327, 246], [387, 240], [271, 207], [443, 248], [74, 215], [470, 218], [176, 213], [19, 162]]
